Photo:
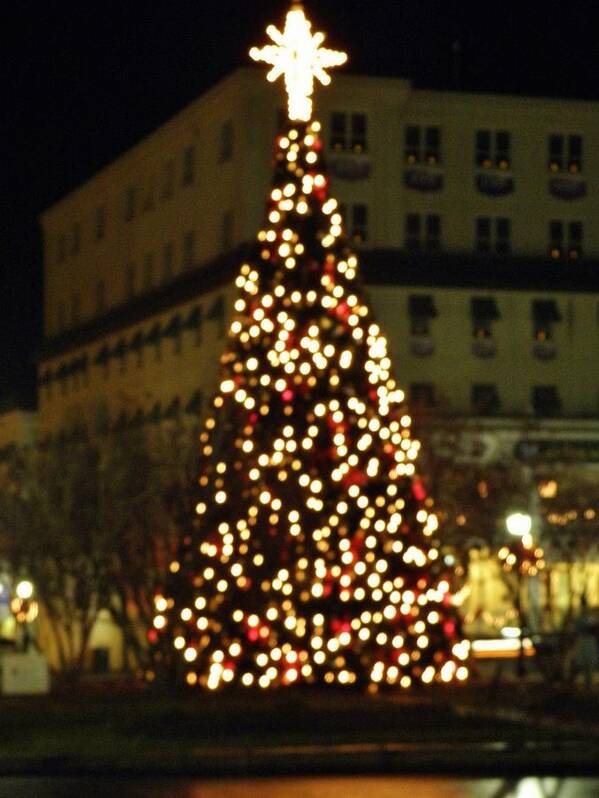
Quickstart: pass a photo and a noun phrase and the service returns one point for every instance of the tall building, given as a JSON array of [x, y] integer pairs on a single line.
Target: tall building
[[475, 219], [474, 215]]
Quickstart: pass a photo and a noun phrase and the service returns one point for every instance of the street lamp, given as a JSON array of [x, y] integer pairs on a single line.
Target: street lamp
[[519, 524], [24, 589], [25, 609]]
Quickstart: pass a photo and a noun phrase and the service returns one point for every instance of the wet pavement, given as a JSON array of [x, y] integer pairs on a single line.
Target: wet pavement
[[313, 787]]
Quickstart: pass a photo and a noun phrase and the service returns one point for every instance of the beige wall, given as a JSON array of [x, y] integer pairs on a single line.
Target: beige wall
[[17, 427], [239, 185]]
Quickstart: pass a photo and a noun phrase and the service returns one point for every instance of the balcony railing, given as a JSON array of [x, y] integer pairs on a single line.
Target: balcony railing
[[544, 350], [484, 347], [422, 345]]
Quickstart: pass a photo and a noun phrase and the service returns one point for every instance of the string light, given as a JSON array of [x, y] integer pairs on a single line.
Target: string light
[[315, 558]]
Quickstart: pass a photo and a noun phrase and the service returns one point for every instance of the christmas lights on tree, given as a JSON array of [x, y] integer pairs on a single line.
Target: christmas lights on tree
[[314, 556]]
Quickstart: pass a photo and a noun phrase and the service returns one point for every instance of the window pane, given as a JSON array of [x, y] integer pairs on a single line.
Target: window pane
[[556, 231], [502, 227], [483, 140], [483, 227], [502, 141], [575, 232], [413, 137], [575, 146], [556, 146], [413, 224], [433, 225]]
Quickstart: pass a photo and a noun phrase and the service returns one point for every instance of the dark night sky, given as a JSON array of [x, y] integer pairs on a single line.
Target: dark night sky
[[83, 83]]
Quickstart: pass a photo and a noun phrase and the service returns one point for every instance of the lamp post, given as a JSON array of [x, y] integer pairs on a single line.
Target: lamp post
[[519, 525], [24, 608]]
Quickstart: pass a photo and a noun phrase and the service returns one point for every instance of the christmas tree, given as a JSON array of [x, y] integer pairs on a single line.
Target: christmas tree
[[314, 556]]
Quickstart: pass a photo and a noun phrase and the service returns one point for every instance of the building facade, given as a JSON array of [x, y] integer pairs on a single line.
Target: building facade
[[473, 215], [475, 220]]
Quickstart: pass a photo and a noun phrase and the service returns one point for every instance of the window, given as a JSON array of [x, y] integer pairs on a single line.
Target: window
[[359, 226], [484, 399], [168, 180], [423, 232], [60, 317], [484, 312], [358, 133], [217, 313], [545, 314], [423, 145], [493, 235], [349, 132], [565, 153], [422, 395], [75, 309], [168, 261], [226, 233], [188, 250], [421, 309], [492, 149], [188, 165], [546, 401], [100, 223], [227, 136], [130, 281], [61, 249], [148, 272], [75, 239], [148, 203], [130, 202], [100, 296], [565, 240]]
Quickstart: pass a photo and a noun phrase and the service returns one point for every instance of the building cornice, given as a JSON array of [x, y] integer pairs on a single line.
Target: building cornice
[[381, 267]]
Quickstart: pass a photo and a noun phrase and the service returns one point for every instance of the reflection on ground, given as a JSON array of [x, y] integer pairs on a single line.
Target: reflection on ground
[[316, 787]]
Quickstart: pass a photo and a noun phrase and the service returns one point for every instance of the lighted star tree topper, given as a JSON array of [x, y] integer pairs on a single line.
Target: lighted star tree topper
[[314, 555], [297, 54]]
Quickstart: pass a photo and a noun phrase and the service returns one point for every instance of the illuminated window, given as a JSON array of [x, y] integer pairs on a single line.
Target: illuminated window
[[423, 145], [565, 240], [349, 132], [565, 153], [130, 202], [493, 236], [188, 165], [546, 401], [484, 399], [100, 223], [227, 136], [422, 232], [421, 309], [492, 149], [483, 312], [545, 315], [359, 224]]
